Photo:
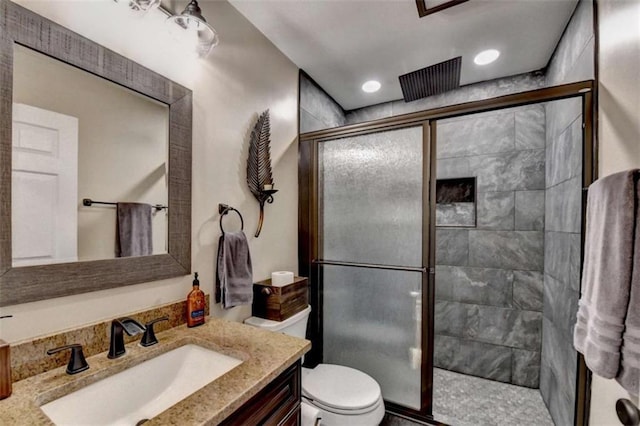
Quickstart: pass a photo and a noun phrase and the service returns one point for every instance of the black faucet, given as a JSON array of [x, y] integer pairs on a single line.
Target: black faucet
[[77, 362], [116, 345]]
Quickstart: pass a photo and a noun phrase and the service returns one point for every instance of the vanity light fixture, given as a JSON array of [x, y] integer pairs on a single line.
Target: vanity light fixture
[[371, 86], [486, 57], [191, 26], [140, 5]]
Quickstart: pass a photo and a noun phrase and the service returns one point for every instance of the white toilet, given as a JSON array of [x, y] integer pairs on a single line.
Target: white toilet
[[344, 395]]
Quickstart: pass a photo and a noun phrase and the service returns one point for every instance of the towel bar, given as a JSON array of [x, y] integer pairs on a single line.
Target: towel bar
[[223, 209], [88, 202]]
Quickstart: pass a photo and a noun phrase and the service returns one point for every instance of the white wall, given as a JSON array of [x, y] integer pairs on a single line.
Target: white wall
[[242, 76], [619, 134]]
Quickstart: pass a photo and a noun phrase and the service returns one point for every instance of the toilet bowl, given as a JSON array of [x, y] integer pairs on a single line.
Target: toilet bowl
[[344, 395]]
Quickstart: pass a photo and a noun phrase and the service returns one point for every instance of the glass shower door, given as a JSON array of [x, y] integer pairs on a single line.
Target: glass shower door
[[370, 192]]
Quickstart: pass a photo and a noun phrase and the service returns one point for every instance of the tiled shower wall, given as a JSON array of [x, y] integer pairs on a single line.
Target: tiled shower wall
[[572, 61], [318, 110], [489, 282]]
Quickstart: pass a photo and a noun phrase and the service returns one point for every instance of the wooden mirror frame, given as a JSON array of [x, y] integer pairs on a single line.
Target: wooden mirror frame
[[32, 283]]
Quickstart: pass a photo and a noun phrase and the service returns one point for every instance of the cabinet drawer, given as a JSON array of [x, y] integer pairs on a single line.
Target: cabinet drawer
[[277, 404], [293, 419]]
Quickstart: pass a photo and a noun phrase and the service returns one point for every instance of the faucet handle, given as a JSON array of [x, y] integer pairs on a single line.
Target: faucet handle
[[149, 336], [77, 362]]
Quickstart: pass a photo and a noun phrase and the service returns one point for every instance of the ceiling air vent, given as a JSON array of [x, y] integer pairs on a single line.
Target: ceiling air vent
[[431, 80]]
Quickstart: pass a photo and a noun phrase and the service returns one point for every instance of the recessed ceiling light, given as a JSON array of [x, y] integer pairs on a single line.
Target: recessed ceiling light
[[371, 86], [486, 57]]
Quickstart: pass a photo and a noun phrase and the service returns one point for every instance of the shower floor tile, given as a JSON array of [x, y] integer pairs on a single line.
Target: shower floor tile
[[462, 400]]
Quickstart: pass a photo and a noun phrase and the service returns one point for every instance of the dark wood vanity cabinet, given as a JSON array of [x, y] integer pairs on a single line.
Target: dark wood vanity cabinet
[[278, 404]]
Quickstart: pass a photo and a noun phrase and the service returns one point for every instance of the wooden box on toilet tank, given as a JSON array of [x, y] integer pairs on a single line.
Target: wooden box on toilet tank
[[279, 303]]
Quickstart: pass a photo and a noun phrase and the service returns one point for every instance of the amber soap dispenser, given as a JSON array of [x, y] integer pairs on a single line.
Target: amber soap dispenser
[[195, 305]]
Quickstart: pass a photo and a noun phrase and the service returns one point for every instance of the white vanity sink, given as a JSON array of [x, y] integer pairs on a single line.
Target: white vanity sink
[[143, 391]]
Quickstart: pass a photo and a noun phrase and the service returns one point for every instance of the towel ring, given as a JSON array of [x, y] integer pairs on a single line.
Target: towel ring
[[223, 209]]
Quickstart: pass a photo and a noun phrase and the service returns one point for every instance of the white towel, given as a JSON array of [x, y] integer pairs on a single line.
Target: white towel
[[607, 272]]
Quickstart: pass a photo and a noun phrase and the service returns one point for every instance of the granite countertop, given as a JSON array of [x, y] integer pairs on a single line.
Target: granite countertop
[[265, 354]]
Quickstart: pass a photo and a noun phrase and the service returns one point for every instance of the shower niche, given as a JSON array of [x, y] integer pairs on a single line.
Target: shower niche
[[456, 202]]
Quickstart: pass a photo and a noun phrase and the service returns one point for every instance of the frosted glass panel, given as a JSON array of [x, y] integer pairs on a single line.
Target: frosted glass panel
[[371, 198], [370, 323]]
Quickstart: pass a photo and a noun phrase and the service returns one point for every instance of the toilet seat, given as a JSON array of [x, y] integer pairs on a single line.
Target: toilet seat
[[346, 412], [341, 390]]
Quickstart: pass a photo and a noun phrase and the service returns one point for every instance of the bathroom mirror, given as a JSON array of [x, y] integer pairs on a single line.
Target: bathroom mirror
[[159, 114], [77, 136]]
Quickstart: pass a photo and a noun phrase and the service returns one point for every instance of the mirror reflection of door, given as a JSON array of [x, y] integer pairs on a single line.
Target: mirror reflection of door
[[44, 187]]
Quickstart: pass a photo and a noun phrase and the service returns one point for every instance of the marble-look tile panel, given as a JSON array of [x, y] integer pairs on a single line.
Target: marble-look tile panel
[[496, 210], [560, 405], [473, 135], [529, 214], [530, 127], [562, 257], [560, 306], [527, 290], [577, 35], [563, 205], [452, 247], [564, 155], [575, 261], [445, 283], [447, 168], [317, 103], [474, 285], [450, 318], [525, 368], [572, 61], [583, 69], [373, 112], [559, 356], [456, 214], [503, 326], [478, 359], [523, 250], [517, 170], [559, 115], [308, 123]]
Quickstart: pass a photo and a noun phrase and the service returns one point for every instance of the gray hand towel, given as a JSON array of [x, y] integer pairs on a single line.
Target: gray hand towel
[[607, 272], [629, 374], [234, 276], [133, 230]]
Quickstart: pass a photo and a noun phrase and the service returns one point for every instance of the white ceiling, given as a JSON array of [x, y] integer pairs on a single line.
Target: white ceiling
[[343, 43]]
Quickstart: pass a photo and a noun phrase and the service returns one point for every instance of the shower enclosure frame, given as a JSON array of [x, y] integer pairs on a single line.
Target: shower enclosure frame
[[310, 232]]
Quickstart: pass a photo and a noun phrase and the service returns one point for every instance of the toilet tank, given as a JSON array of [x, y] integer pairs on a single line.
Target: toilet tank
[[293, 326]]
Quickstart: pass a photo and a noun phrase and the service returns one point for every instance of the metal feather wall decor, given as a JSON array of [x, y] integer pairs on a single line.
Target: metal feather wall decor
[[259, 177]]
